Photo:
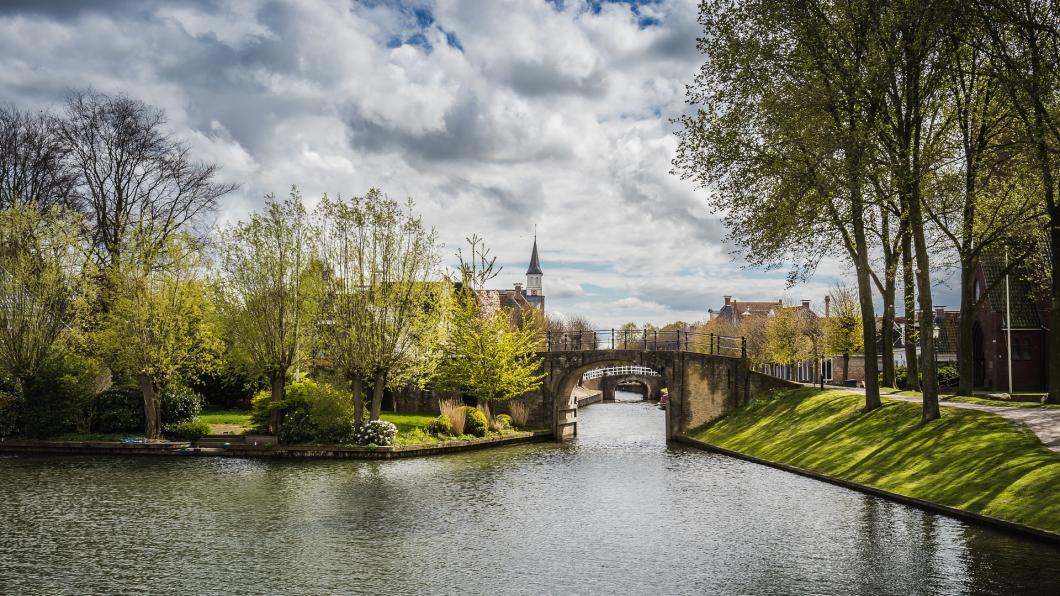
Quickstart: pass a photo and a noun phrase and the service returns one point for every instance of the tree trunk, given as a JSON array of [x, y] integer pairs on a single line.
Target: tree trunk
[[152, 410], [868, 312], [887, 326], [930, 386], [357, 387], [965, 354], [1053, 356], [276, 417], [912, 382], [378, 384]]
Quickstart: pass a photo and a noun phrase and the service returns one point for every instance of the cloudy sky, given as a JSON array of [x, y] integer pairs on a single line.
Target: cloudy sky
[[495, 116]]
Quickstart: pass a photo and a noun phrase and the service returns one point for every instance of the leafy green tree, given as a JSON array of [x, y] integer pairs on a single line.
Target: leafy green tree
[[487, 356], [844, 328], [1025, 51], [41, 264], [161, 324], [787, 102], [789, 336], [270, 290], [384, 310]]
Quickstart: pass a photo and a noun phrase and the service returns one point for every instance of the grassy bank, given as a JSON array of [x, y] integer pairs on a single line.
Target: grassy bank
[[971, 460]]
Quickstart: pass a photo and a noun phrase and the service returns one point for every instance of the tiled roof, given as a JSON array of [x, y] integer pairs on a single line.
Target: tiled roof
[[1024, 311]]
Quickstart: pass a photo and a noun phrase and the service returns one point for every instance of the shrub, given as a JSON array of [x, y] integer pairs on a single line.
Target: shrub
[[520, 413], [454, 410], [119, 410], [59, 397], [313, 413], [187, 430], [376, 432], [502, 422], [440, 426], [475, 422], [179, 404], [11, 410]]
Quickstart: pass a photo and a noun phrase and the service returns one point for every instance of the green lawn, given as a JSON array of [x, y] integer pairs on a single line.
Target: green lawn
[[972, 460], [971, 400]]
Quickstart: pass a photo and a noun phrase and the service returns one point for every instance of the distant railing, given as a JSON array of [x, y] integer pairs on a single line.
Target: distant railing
[[620, 371], [618, 339]]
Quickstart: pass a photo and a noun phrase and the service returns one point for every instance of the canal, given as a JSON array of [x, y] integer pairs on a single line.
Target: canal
[[617, 511]]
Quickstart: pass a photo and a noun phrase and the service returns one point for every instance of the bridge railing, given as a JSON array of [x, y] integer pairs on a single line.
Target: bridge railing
[[620, 371], [618, 339]]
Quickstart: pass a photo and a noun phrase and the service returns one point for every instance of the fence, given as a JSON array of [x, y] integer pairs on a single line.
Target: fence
[[618, 339], [615, 371]]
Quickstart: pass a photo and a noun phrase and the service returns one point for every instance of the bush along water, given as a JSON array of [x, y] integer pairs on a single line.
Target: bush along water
[[441, 425], [502, 422], [122, 409], [11, 408], [376, 432], [188, 430], [475, 422], [314, 412]]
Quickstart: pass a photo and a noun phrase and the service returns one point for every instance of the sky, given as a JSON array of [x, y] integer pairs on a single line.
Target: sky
[[495, 116]]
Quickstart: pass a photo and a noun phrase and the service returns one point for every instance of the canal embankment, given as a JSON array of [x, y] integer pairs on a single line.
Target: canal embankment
[[266, 449], [586, 396], [970, 464]]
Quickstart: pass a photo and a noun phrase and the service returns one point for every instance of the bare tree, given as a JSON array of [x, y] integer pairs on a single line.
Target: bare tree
[[134, 180], [33, 168]]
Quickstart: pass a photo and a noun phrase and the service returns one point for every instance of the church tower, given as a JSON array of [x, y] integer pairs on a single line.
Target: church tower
[[533, 274]]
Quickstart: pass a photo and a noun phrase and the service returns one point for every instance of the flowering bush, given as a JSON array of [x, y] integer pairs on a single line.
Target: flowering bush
[[376, 432]]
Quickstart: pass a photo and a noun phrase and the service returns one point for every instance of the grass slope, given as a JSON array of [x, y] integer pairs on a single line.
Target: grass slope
[[972, 460]]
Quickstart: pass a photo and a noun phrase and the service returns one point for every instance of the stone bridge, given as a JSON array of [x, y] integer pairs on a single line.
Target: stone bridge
[[701, 386]]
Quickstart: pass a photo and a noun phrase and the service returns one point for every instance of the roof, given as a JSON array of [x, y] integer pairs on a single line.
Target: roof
[[535, 265], [1024, 310]]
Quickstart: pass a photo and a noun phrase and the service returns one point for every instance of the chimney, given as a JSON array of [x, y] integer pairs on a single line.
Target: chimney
[[727, 300], [518, 289], [939, 312], [827, 306], [806, 304]]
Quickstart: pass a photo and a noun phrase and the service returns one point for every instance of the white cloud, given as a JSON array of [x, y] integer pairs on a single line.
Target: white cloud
[[558, 118]]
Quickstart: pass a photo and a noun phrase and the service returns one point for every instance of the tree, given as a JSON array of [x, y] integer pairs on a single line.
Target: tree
[[161, 324], [382, 309], [486, 356], [1025, 52], [396, 302], [40, 280], [134, 181], [33, 164], [844, 328], [269, 290], [792, 336], [787, 102]]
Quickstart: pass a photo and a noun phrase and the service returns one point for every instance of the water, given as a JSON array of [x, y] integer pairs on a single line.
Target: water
[[615, 512]]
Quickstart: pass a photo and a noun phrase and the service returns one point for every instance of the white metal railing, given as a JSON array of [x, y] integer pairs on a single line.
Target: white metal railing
[[614, 371]]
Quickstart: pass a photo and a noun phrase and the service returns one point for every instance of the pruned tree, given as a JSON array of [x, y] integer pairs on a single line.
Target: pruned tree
[[388, 302], [161, 323], [379, 262], [270, 290], [134, 180], [41, 266], [33, 164]]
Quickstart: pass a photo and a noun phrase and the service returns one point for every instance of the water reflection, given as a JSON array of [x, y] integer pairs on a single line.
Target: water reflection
[[616, 511]]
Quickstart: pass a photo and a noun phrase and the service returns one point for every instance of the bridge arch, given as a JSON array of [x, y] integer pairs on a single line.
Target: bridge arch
[[701, 387], [650, 385]]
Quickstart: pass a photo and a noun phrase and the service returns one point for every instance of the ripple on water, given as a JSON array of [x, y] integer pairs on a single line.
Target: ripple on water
[[616, 511]]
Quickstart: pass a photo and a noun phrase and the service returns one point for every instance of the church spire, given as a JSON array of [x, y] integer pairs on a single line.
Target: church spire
[[535, 265]]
